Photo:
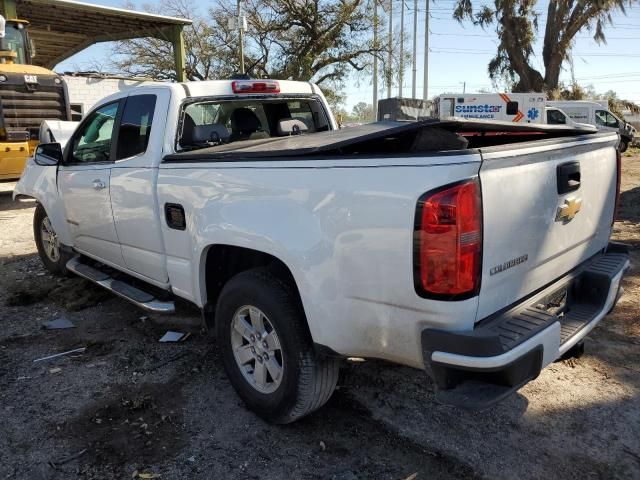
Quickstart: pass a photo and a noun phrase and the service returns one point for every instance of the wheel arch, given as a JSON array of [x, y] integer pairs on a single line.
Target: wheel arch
[[40, 183], [221, 262]]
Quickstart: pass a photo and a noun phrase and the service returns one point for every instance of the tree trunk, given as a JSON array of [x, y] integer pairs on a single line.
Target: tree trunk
[[530, 80], [552, 70]]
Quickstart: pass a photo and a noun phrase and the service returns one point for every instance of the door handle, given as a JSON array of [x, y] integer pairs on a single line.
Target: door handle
[[568, 177], [99, 184]]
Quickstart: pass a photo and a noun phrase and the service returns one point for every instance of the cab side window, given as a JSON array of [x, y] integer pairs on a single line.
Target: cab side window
[[92, 143], [135, 126]]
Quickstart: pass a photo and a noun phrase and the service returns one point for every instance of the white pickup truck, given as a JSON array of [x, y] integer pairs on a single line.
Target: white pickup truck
[[478, 251]]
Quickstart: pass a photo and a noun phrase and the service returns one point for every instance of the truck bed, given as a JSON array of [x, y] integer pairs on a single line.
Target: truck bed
[[387, 138]]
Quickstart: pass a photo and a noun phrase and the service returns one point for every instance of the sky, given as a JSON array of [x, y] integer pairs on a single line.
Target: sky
[[459, 54]]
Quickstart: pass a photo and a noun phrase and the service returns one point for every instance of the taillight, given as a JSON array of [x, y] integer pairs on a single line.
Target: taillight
[[618, 180], [253, 86], [448, 242]]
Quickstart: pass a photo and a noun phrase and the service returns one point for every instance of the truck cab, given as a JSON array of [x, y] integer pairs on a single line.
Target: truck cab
[[556, 116], [596, 113]]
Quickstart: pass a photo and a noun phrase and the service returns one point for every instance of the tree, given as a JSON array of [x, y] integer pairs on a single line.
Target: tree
[[207, 55], [318, 40], [516, 23], [363, 112]]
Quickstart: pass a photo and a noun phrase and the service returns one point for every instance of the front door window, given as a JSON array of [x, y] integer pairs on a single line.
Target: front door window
[[92, 143]]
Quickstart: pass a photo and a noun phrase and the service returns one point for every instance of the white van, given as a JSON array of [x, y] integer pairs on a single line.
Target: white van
[[509, 107], [557, 116], [595, 113]]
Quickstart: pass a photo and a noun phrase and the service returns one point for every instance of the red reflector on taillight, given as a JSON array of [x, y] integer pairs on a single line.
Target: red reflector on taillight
[[448, 242], [255, 86]]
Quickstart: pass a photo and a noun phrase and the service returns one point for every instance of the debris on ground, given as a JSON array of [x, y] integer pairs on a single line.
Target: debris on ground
[[60, 323], [56, 355], [174, 337], [55, 370], [144, 475], [55, 464]]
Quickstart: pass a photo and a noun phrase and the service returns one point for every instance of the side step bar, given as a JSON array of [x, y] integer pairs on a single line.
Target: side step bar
[[142, 299]]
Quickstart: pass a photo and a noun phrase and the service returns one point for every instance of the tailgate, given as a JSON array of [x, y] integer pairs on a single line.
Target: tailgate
[[548, 206]]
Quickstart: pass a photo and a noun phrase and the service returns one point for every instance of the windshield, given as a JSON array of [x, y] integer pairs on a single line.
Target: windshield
[[555, 117], [208, 122], [15, 41]]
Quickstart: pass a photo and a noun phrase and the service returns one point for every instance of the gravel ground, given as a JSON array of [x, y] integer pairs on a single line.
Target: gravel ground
[[129, 404]]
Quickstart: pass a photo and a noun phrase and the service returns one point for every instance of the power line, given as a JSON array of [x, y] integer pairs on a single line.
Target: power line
[[493, 36], [457, 51]]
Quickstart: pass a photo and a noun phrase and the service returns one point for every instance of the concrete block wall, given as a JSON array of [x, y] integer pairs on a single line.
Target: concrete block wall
[[88, 90]]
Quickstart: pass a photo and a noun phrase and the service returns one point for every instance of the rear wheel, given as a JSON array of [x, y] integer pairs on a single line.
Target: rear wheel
[[50, 250], [267, 351]]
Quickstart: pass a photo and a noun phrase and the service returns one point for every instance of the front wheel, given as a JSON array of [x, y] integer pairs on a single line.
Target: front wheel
[[267, 351], [622, 147], [52, 255]]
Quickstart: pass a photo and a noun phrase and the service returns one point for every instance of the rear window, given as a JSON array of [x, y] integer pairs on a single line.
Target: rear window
[[208, 122]]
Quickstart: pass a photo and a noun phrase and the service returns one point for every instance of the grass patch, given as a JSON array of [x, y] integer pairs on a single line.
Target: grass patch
[[632, 152]]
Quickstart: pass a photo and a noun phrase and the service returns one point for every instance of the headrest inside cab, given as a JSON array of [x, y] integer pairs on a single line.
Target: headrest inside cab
[[291, 126]]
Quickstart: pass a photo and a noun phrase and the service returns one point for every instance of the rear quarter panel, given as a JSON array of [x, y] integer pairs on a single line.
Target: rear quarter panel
[[343, 227]]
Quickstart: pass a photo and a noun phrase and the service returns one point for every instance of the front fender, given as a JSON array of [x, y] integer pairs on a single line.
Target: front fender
[[40, 182]]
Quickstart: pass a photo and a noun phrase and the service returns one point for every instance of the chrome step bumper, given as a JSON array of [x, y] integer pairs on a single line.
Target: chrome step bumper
[[477, 368]]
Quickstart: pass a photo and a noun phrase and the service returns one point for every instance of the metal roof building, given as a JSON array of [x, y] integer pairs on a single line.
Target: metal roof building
[[62, 28]]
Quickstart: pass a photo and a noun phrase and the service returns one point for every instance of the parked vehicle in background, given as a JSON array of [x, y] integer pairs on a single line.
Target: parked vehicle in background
[[555, 116], [56, 131], [404, 109], [28, 95], [478, 251], [597, 113], [508, 107]]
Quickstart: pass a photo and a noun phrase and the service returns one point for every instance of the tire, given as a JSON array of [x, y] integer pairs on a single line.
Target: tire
[[53, 256], [305, 380], [622, 147]]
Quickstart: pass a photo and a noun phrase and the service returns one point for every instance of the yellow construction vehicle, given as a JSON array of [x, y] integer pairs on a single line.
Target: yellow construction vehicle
[[28, 95]]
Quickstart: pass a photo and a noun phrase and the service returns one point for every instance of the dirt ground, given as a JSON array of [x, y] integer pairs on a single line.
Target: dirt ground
[[130, 404]]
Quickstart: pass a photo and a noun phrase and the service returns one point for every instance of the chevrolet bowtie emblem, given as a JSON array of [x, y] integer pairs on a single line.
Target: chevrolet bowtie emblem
[[569, 209]]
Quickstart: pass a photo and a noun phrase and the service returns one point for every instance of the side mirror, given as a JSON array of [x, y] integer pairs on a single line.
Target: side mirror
[[48, 154]]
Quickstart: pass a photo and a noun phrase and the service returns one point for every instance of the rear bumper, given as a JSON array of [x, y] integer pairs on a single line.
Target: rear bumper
[[503, 352]]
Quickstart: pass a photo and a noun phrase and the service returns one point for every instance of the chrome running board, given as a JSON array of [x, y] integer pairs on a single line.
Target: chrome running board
[[141, 298]]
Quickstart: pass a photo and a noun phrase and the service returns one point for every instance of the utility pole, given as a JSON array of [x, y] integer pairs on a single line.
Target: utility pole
[[425, 82], [464, 87], [401, 76], [241, 25], [415, 48], [375, 59], [389, 71]]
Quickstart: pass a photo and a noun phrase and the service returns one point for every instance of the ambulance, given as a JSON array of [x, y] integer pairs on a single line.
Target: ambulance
[[510, 107]]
